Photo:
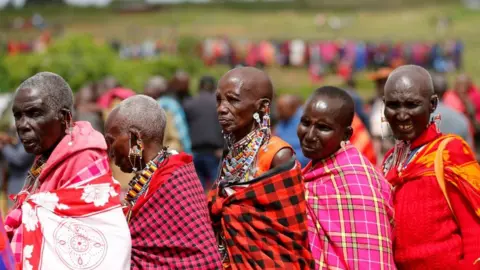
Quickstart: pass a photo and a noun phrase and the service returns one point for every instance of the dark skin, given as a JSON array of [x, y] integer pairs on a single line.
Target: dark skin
[[39, 127], [241, 93], [409, 102], [324, 125], [287, 106], [118, 137]]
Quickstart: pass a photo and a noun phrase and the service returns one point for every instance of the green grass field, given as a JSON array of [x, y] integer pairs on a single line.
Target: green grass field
[[405, 24]]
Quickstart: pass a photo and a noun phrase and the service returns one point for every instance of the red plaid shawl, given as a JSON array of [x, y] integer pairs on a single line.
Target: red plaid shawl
[[172, 228], [265, 224]]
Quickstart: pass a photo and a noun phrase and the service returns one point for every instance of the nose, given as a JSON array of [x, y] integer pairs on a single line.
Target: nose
[[22, 125], [310, 135], [402, 115], [221, 108]]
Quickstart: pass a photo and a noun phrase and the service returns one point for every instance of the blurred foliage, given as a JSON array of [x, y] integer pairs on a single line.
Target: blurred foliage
[[79, 59]]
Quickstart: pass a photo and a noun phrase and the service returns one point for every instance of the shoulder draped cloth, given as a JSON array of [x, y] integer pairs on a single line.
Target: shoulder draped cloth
[[264, 224]]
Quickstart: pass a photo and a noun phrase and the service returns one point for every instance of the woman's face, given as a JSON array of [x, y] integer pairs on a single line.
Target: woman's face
[[407, 110], [322, 128], [235, 107], [119, 141], [39, 127]]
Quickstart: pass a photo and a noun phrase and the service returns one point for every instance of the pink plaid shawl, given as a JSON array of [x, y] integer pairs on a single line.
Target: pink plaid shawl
[[349, 212]]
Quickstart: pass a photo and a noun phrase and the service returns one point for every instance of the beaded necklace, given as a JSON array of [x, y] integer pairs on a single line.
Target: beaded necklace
[[139, 184], [237, 164]]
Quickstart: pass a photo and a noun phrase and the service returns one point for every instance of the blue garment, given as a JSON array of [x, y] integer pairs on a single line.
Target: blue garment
[[206, 165], [172, 106], [18, 162], [287, 131], [361, 57]]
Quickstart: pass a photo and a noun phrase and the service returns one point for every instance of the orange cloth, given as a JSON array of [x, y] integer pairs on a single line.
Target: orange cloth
[[265, 158], [362, 141], [426, 230]]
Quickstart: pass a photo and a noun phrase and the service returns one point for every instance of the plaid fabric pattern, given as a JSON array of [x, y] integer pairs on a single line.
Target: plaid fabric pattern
[[264, 224], [173, 229], [96, 169], [349, 212]]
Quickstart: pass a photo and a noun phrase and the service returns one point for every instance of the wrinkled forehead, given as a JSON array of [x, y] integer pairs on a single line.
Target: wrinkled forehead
[[230, 84], [404, 87], [25, 97]]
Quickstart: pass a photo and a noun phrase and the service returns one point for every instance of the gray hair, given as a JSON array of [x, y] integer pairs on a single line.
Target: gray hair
[[144, 114], [56, 91]]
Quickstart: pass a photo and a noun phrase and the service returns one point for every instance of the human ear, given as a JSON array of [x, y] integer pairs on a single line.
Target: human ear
[[433, 103], [134, 135], [262, 105], [65, 116], [348, 133]]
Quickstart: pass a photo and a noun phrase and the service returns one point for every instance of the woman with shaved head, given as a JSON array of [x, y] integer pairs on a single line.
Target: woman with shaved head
[[68, 214], [257, 204], [349, 201], [165, 205], [436, 180]]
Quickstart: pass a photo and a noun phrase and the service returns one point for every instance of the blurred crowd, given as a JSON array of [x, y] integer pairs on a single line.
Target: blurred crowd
[[342, 57]]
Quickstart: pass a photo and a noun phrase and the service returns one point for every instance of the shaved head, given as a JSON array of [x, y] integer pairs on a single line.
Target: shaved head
[[409, 101], [241, 93], [410, 78], [55, 90], [252, 80], [342, 103], [141, 113]]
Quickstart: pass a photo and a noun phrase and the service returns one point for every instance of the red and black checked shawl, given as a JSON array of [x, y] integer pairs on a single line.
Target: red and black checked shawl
[[265, 224], [172, 229]]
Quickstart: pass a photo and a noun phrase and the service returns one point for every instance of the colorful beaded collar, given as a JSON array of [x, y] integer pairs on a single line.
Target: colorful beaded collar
[[238, 164], [139, 184]]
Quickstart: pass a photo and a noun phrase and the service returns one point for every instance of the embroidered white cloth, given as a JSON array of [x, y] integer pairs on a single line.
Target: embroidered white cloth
[[81, 227]]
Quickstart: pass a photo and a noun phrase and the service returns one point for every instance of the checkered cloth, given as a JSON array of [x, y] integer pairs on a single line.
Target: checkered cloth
[[349, 212], [96, 169], [264, 225], [172, 230]]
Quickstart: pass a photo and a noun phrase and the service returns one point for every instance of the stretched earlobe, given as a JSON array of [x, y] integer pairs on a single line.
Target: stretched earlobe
[[348, 133]]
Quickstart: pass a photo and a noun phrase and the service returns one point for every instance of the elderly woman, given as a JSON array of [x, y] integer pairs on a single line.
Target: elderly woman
[[165, 205], [436, 180], [257, 204], [68, 214], [348, 200]]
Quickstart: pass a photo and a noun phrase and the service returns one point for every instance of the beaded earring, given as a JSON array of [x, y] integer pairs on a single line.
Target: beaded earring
[[266, 117], [135, 152], [69, 129], [256, 116], [436, 120], [382, 121]]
